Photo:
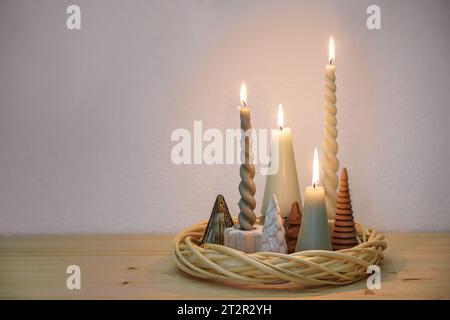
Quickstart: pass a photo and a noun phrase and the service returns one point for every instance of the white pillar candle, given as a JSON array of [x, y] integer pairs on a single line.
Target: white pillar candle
[[330, 146], [314, 232], [284, 183]]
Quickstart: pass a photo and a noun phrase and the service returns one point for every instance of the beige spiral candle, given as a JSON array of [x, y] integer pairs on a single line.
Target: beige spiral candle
[[247, 188], [330, 146]]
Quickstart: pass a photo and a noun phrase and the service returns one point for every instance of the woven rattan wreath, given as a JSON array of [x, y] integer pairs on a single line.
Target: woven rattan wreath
[[309, 268]]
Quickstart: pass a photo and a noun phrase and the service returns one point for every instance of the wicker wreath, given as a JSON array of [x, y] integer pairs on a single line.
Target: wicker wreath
[[309, 268]]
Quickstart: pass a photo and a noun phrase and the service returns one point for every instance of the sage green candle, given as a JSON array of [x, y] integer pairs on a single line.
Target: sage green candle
[[314, 234]]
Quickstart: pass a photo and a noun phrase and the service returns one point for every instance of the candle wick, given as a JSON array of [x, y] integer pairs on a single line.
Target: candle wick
[[281, 128], [314, 185], [244, 104]]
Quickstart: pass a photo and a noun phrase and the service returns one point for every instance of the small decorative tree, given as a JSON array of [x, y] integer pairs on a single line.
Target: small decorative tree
[[219, 220], [273, 235], [292, 226], [344, 232]]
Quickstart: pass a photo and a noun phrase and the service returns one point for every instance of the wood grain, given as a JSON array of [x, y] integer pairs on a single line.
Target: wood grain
[[416, 266]]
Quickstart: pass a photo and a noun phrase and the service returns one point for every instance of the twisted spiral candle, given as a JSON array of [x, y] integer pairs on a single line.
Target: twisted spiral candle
[[330, 146], [247, 188]]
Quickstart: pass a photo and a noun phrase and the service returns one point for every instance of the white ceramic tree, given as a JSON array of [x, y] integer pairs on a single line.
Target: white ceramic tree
[[273, 234]]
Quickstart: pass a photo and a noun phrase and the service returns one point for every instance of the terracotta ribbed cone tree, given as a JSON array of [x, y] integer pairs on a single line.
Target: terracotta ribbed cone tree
[[292, 226], [219, 220], [344, 232]]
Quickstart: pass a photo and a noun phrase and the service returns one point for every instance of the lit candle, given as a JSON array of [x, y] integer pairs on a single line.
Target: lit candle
[[284, 183], [314, 234], [247, 188], [330, 146]]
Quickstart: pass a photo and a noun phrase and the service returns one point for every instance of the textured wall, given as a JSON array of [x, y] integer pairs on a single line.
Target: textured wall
[[86, 116]]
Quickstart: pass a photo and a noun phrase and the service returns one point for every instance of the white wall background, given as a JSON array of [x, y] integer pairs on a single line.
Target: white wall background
[[86, 116]]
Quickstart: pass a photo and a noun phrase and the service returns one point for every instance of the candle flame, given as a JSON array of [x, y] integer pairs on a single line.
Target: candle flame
[[315, 177], [331, 50], [243, 94], [280, 117]]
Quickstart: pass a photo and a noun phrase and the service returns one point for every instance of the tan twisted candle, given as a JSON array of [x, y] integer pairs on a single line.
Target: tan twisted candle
[[247, 188], [330, 146]]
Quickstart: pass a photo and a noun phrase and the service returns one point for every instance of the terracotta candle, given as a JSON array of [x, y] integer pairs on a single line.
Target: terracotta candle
[[330, 146], [314, 234], [247, 188], [284, 183]]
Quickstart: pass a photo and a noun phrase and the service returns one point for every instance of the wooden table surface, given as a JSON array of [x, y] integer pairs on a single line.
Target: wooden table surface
[[416, 266]]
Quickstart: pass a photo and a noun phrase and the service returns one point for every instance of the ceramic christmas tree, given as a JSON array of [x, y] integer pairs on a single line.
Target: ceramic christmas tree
[[219, 220], [344, 232], [292, 226], [273, 235]]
